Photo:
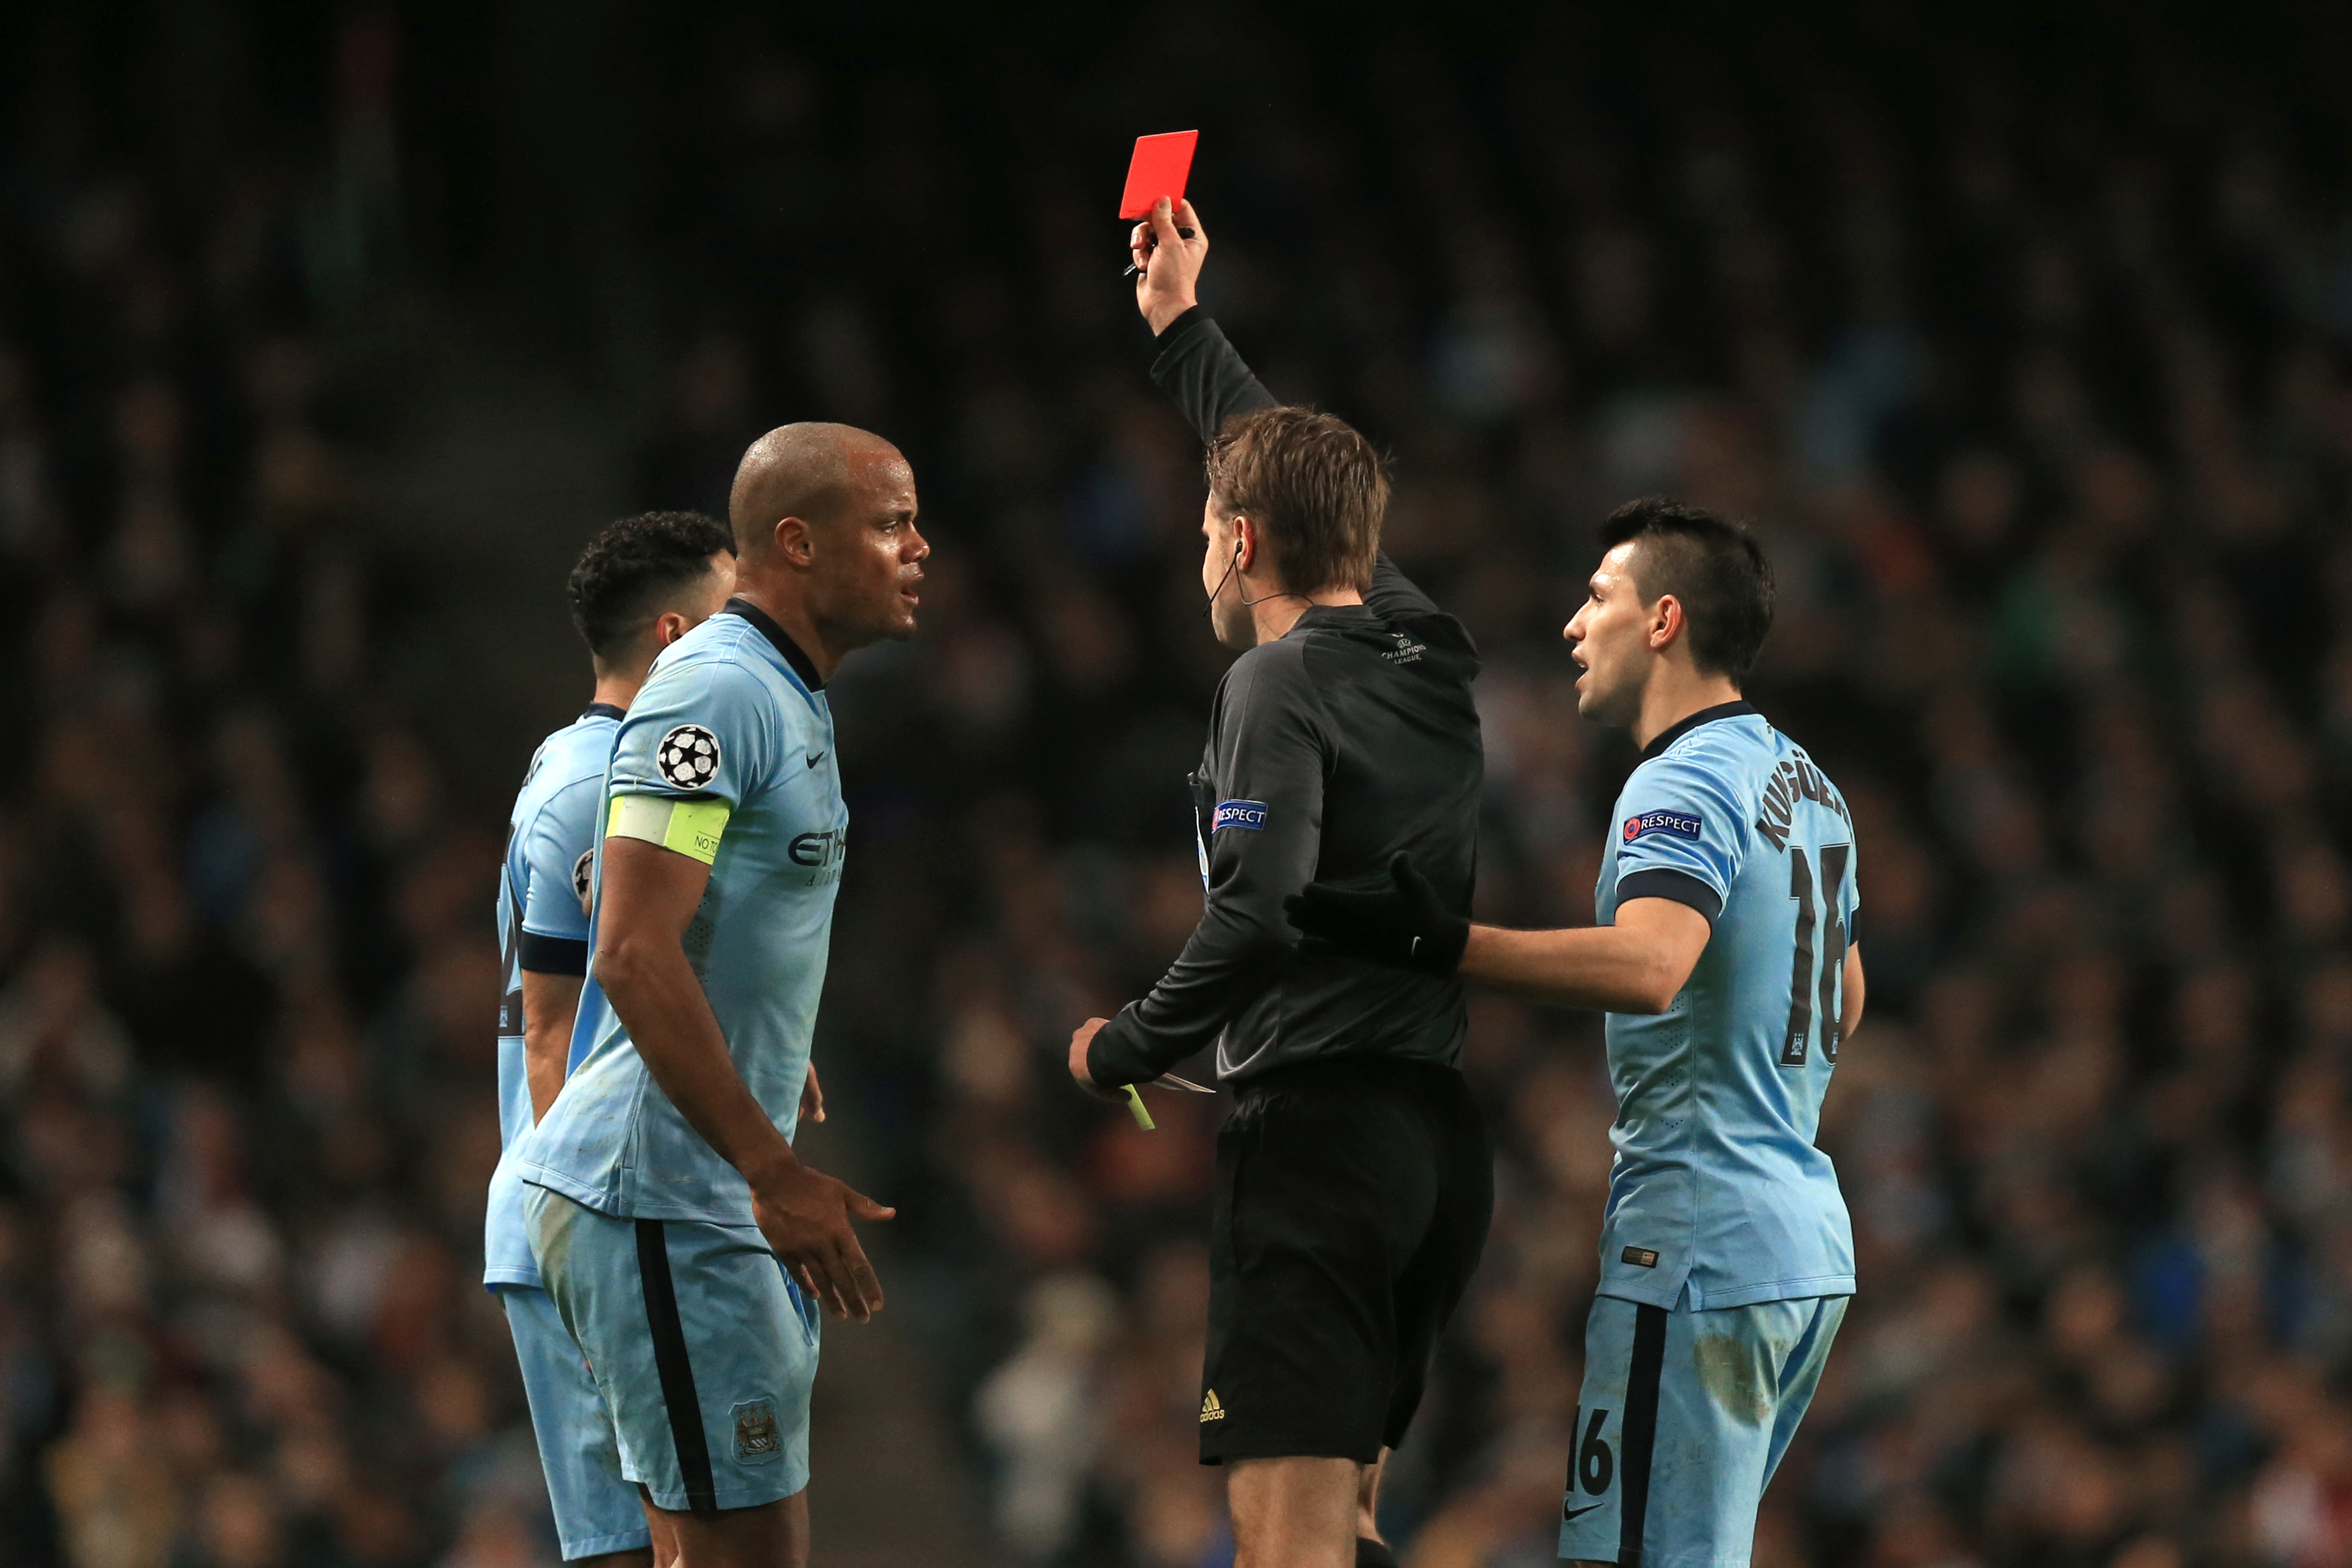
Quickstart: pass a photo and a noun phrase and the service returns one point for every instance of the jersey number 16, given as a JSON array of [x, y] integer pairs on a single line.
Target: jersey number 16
[[1804, 985]]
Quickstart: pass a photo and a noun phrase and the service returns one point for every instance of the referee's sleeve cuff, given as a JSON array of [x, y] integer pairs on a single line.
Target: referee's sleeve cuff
[[1175, 329], [1113, 1058], [1662, 882], [553, 954]]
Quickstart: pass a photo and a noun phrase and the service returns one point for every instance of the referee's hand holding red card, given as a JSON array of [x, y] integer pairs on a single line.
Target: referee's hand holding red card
[[1168, 248]]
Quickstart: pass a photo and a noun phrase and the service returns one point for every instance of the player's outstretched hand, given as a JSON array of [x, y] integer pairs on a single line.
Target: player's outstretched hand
[[805, 1215], [812, 1099], [1080, 1039], [1169, 246], [1403, 925]]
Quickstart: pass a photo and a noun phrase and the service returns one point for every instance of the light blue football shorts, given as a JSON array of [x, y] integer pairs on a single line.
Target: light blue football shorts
[[1681, 1422], [596, 1508], [703, 1349]]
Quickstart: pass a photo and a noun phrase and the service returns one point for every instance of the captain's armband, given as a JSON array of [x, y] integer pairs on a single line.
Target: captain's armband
[[690, 827]]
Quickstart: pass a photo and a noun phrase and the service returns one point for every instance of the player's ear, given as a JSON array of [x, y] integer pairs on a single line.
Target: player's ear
[[669, 628], [795, 540], [1666, 622]]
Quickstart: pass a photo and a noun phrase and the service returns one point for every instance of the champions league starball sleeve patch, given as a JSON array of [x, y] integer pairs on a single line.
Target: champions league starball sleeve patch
[[688, 757], [583, 879]]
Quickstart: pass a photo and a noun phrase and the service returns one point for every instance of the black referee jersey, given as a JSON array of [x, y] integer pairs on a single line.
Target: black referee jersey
[[1330, 749]]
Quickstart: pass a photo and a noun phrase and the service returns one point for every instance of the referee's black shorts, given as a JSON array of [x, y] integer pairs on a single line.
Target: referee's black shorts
[[1352, 1199]]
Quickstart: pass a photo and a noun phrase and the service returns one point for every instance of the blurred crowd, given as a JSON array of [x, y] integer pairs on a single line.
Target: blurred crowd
[[2041, 399], [246, 969]]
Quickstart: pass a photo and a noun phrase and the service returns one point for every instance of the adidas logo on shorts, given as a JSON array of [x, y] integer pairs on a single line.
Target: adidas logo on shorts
[[1210, 1409]]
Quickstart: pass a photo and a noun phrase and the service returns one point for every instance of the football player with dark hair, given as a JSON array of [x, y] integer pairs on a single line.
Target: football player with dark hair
[[642, 584], [1723, 953]]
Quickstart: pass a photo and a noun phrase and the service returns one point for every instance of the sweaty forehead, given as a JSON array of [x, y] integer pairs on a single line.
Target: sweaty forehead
[[882, 475], [1616, 567], [896, 473]]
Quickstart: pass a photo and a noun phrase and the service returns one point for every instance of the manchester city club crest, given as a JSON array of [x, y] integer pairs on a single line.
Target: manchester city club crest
[[756, 1434]]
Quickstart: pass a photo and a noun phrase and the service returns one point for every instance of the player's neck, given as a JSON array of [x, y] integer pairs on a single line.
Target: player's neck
[[1674, 693], [790, 613], [1275, 611], [618, 684]]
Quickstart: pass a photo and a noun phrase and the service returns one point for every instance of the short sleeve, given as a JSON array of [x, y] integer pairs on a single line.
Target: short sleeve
[[557, 847], [1680, 835], [696, 732]]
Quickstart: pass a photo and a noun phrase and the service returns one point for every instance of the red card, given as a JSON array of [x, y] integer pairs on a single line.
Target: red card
[[1160, 163]]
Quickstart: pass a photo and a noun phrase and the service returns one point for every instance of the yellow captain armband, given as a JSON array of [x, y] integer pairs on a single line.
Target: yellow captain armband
[[691, 828]]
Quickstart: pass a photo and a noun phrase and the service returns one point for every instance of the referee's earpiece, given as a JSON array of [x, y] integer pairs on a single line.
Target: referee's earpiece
[[1248, 603], [1231, 567]]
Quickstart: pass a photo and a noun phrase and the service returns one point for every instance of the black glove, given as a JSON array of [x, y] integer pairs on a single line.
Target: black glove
[[1402, 925]]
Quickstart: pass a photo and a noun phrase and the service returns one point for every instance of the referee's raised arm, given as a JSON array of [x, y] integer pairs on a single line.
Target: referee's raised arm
[[1205, 377], [1196, 367]]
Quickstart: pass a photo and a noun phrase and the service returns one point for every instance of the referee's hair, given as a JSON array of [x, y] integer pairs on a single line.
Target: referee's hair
[[1313, 483], [620, 580], [1712, 567]]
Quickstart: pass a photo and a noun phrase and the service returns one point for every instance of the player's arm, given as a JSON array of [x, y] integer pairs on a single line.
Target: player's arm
[[1850, 1012], [550, 1001], [1681, 850], [1637, 965], [650, 893], [1262, 843], [552, 951]]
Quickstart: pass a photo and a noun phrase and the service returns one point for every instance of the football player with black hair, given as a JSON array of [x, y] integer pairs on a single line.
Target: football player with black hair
[[642, 584]]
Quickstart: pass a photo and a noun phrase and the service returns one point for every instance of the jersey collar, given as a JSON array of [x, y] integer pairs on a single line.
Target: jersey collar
[[1672, 732], [605, 711], [1332, 616], [803, 666]]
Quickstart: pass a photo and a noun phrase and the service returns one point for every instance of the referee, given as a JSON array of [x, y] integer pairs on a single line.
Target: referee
[[1354, 1178]]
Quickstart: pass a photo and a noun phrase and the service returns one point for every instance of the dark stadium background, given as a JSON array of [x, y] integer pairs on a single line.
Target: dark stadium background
[[328, 333]]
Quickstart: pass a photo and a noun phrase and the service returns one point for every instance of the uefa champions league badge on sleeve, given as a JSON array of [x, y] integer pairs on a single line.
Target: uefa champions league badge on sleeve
[[688, 757], [583, 879]]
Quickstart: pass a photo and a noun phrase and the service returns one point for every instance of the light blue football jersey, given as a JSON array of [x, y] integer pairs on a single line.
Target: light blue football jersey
[[732, 711], [1717, 1181], [542, 927]]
